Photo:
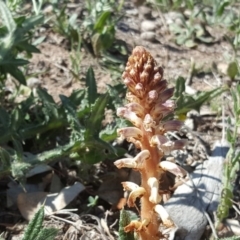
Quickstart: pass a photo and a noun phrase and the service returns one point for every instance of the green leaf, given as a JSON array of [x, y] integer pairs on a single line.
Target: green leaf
[[108, 134], [232, 70], [190, 43], [101, 21], [185, 102], [179, 88], [99, 150], [77, 96], [5, 160], [235, 101], [28, 47], [35, 225], [50, 108], [7, 17], [92, 86], [28, 25], [15, 62], [70, 108], [97, 112], [208, 39], [96, 43], [229, 136], [16, 73], [221, 7], [47, 234], [123, 222]]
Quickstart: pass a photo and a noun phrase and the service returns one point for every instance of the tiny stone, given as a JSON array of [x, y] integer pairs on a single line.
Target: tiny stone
[[48, 9], [148, 26], [145, 12], [189, 123], [149, 36], [33, 82]]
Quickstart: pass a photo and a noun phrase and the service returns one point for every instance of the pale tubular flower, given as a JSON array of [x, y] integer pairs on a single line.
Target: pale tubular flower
[[137, 108], [125, 162], [144, 76], [137, 225], [135, 162], [160, 86], [139, 90], [172, 125], [128, 132], [137, 143], [165, 95], [158, 140], [166, 145], [162, 143], [163, 109], [129, 186], [129, 115], [173, 145], [132, 98], [129, 83], [164, 216], [153, 183], [173, 168], [152, 97], [149, 123], [136, 193]]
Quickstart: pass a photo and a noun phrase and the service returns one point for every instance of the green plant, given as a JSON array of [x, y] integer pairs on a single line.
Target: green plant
[[233, 158], [124, 221], [35, 230], [76, 58], [92, 201], [99, 24], [176, 5], [185, 102], [77, 122], [189, 32], [67, 25], [15, 39], [149, 105]]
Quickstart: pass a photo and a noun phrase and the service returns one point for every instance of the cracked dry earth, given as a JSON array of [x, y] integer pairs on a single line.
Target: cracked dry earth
[[51, 69]]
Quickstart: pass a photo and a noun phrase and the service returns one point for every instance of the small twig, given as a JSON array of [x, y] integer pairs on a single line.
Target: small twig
[[69, 222], [113, 224]]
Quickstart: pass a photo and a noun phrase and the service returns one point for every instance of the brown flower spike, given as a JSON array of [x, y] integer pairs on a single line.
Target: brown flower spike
[[149, 103]]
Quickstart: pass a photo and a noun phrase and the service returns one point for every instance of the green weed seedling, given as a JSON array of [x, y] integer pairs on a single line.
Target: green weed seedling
[[92, 201], [35, 230], [15, 38]]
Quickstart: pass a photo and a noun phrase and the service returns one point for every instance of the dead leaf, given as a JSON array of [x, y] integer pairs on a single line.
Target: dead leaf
[[29, 203], [38, 169]]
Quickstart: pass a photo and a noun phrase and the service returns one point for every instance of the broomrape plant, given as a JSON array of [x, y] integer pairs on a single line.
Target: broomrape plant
[[148, 108]]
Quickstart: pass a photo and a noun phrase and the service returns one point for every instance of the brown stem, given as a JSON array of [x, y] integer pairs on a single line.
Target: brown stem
[[149, 170]]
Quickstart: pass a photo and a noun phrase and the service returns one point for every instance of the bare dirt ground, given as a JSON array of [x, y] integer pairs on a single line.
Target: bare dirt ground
[[51, 68]]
